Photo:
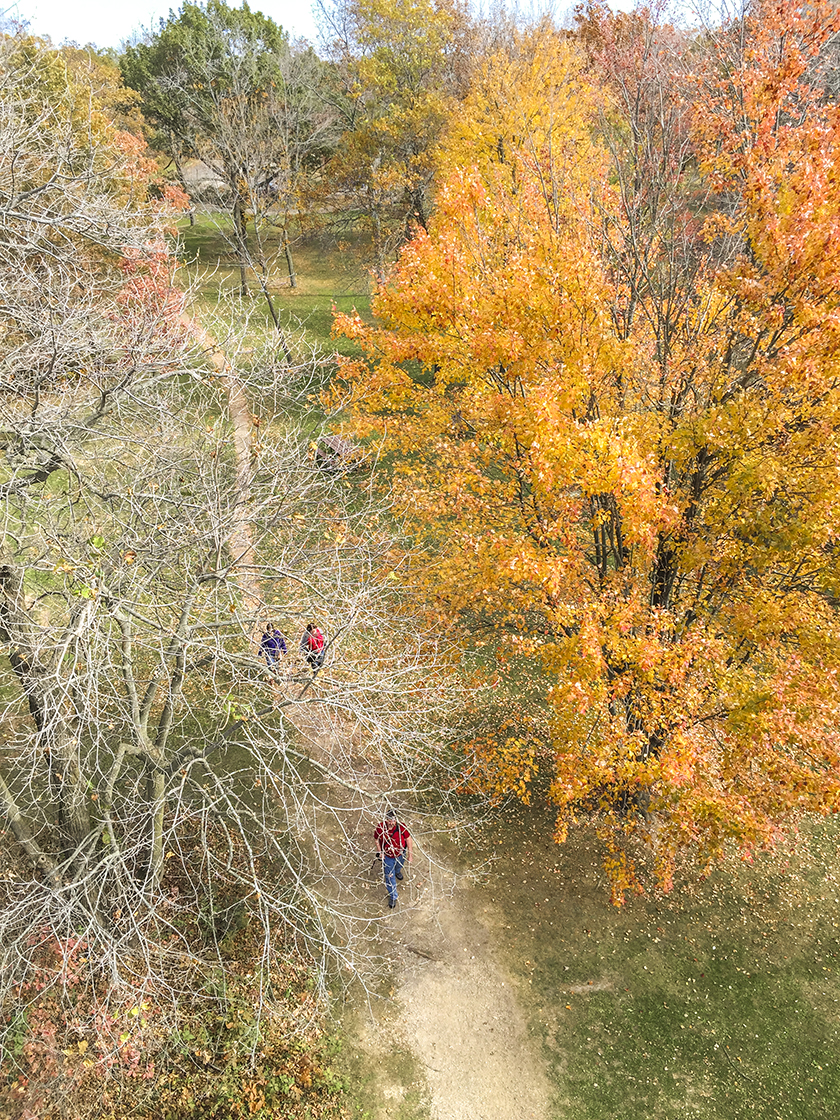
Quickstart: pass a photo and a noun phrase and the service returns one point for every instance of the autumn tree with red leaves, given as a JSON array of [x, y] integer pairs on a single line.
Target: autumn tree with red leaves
[[608, 371]]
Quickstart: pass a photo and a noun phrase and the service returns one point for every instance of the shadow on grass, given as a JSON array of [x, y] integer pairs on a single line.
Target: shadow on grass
[[717, 1002]]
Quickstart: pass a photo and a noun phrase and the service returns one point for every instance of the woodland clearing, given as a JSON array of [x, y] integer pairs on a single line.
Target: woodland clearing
[[599, 429]]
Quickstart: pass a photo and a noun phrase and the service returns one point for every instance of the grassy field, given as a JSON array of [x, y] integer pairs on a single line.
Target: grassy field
[[717, 1002], [720, 1001], [328, 273], [369, 1081]]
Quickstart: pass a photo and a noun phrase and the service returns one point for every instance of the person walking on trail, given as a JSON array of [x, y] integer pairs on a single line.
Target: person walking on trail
[[393, 843], [272, 645], [312, 646]]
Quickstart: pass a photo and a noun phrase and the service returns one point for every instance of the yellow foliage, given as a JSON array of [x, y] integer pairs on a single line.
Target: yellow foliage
[[618, 443]]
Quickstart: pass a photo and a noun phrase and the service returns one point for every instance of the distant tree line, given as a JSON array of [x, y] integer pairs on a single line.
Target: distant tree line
[[347, 139]]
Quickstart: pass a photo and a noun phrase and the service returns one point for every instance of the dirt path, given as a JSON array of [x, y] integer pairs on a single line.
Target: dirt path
[[452, 1007], [457, 1009]]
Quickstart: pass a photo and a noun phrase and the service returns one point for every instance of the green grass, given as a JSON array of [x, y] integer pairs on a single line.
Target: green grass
[[328, 273], [382, 1079], [717, 1002]]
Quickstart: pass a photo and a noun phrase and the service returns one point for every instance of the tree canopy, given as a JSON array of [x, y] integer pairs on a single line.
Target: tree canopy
[[160, 506], [224, 86], [620, 454], [398, 69], [201, 57]]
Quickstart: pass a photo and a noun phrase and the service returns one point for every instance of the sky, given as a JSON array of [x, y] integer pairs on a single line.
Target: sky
[[108, 22]]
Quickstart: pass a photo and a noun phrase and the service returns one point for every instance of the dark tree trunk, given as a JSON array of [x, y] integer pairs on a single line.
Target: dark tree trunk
[[240, 229], [290, 264]]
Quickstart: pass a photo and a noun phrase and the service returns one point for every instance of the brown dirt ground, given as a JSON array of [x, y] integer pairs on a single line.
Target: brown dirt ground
[[455, 1007]]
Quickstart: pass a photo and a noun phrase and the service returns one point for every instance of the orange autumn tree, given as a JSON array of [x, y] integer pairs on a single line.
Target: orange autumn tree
[[616, 421]]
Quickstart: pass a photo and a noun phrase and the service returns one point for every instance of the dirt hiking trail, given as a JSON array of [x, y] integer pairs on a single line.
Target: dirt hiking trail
[[455, 1008], [452, 1006]]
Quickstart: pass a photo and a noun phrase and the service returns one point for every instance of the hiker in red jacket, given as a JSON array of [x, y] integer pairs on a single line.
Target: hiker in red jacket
[[312, 646], [393, 842]]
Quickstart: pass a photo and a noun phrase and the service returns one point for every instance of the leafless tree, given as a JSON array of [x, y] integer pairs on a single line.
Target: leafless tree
[[159, 505]]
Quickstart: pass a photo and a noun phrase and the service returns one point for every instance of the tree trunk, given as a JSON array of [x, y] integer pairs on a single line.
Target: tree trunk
[[66, 765], [275, 318], [262, 280], [290, 264], [47, 696], [179, 169], [240, 230], [378, 247], [156, 800], [415, 212], [24, 837]]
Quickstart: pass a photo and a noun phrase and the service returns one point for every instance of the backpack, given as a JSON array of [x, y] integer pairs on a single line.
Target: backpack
[[392, 841], [316, 641]]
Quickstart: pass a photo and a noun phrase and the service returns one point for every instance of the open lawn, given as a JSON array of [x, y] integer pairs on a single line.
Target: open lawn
[[719, 1001], [329, 272]]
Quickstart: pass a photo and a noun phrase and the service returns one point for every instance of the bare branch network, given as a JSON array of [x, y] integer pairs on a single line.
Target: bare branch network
[[159, 782]]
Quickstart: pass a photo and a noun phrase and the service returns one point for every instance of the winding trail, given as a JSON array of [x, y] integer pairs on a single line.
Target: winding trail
[[454, 1007]]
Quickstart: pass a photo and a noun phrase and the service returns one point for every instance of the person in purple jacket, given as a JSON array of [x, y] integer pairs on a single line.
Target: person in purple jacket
[[272, 645]]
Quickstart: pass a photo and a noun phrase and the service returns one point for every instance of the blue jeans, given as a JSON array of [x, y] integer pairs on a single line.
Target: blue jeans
[[391, 865]]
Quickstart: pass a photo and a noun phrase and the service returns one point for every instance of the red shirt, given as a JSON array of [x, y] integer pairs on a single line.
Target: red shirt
[[391, 838]]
